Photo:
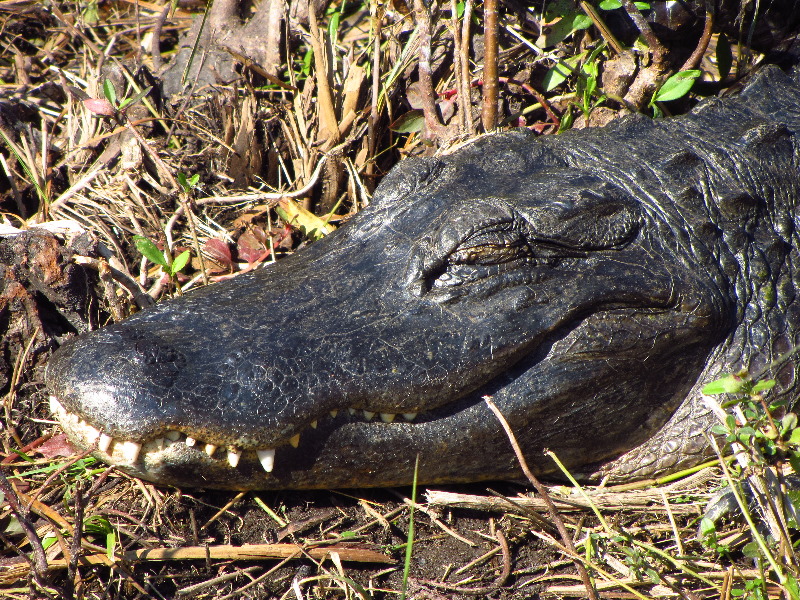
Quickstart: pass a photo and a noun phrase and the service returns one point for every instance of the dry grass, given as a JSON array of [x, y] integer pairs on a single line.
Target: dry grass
[[275, 166]]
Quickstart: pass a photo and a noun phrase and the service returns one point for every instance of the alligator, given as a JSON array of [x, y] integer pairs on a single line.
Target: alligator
[[590, 283]]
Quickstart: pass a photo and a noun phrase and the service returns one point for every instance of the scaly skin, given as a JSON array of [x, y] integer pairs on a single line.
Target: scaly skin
[[591, 283]]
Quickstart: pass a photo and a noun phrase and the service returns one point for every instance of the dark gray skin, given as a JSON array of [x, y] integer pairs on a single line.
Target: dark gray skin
[[590, 283]]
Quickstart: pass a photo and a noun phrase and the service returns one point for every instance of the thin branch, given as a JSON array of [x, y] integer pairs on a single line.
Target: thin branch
[[656, 48], [702, 45], [542, 491], [464, 56], [39, 558], [432, 122], [490, 52]]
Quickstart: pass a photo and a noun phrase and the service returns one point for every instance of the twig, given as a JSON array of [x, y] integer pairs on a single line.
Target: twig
[[246, 552], [433, 519], [464, 56], [131, 285], [490, 51], [39, 563], [199, 587], [458, 64], [155, 46], [562, 530], [77, 536], [656, 48], [637, 500], [603, 28], [427, 93], [702, 45], [536, 94], [328, 124], [372, 119]]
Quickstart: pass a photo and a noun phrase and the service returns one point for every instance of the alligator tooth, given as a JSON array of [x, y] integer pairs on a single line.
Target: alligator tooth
[[233, 457], [104, 443], [409, 416], [92, 435], [368, 415], [159, 442], [130, 451], [190, 441], [210, 449], [295, 440], [352, 411], [173, 436], [387, 417], [267, 459], [334, 413], [313, 424]]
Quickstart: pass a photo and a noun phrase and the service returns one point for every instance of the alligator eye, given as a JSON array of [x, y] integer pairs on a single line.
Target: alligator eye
[[491, 247], [485, 253]]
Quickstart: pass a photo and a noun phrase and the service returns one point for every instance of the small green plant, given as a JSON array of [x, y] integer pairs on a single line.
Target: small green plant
[[110, 105], [587, 83], [615, 4], [171, 266], [100, 526], [410, 542], [677, 86], [188, 183], [764, 437]]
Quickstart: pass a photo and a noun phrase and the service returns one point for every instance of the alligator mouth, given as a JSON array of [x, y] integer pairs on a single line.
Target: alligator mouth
[[128, 452]]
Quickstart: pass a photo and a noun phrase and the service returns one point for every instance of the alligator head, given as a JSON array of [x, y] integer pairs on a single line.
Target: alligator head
[[498, 270]]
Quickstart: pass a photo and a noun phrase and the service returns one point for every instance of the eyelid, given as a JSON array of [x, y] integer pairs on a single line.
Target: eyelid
[[493, 246]]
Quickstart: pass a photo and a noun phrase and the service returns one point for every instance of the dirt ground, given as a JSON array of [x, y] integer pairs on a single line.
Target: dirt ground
[[244, 164]]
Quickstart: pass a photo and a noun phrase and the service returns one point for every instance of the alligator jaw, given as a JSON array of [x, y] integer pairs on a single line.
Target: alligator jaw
[[128, 452]]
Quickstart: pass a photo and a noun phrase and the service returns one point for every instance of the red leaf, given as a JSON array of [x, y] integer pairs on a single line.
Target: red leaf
[[100, 106], [218, 251], [249, 248], [58, 445]]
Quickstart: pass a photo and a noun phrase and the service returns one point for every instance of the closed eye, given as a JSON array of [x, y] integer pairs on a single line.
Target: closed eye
[[491, 247]]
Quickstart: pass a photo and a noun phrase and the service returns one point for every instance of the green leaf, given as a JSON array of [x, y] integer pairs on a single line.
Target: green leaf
[[111, 541], [789, 422], [751, 550], [562, 29], [794, 438], [707, 526], [149, 250], [559, 73], [719, 430], [676, 86], [179, 262], [410, 122], [730, 384], [194, 179], [109, 92], [136, 97], [615, 4], [767, 384]]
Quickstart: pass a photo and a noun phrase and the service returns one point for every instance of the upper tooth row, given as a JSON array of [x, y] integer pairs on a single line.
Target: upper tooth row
[[130, 449]]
